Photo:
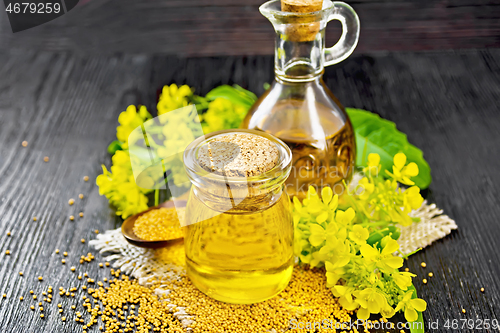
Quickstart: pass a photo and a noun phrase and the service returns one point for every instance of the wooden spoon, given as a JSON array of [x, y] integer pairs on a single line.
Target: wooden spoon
[[132, 238]]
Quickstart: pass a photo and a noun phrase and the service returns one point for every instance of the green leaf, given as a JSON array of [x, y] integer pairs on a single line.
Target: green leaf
[[114, 146], [236, 94], [418, 325], [377, 235], [378, 135]]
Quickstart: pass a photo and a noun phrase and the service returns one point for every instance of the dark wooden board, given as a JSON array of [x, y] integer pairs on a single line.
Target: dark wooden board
[[228, 27], [66, 106]]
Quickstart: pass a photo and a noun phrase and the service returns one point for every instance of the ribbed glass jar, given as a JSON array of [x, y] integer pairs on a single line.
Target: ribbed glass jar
[[239, 230]]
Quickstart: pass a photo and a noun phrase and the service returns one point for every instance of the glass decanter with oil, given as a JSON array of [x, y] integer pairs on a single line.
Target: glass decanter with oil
[[299, 108]]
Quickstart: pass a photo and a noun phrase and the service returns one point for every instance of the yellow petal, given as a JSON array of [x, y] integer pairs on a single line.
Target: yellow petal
[[419, 304], [368, 251], [296, 203], [342, 261], [311, 192], [411, 315], [322, 217], [399, 160], [332, 279], [329, 266], [394, 262], [326, 194], [411, 169], [341, 290], [373, 307], [316, 240], [391, 247], [334, 203], [373, 159], [363, 313], [348, 305]]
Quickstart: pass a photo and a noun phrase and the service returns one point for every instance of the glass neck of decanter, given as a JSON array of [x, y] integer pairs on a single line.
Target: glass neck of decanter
[[299, 60]]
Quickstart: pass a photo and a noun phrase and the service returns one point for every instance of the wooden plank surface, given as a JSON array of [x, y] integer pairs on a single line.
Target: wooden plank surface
[[66, 106], [225, 27]]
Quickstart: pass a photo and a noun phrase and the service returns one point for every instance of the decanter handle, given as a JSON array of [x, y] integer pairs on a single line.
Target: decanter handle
[[350, 33]]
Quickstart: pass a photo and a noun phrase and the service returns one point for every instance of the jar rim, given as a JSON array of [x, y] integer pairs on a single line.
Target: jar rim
[[195, 170]]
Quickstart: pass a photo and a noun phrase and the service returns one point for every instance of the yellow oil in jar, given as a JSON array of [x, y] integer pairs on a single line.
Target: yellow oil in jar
[[239, 257]]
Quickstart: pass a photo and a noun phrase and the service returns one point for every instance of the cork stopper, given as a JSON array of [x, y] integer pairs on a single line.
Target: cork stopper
[[301, 6], [302, 29], [239, 155]]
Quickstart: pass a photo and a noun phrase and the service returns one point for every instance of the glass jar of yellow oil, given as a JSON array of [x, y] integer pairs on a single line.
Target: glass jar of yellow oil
[[239, 230]]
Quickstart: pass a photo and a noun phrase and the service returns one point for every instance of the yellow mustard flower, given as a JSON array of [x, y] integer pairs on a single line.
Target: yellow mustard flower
[[402, 172], [173, 97], [411, 306]]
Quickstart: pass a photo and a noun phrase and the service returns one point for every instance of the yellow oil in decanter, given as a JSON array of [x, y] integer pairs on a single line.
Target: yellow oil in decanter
[[239, 257], [323, 146]]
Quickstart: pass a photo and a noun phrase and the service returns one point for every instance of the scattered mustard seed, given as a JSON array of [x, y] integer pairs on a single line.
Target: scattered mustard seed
[[73, 307], [424, 281], [32, 307], [34, 296], [24, 144], [79, 277], [86, 178], [7, 252], [8, 233], [63, 318], [71, 217], [463, 311], [71, 201], [21, 298], [4, 295], [60, 310], [80, 214], [482, 290], [31, 292], [57, 251], [96, 231], [46, 159], [423, 264], [101, 265], [431, 274], [21, 273], [73, 268], [34, 218], [63, 261], [40, 278], [82, 240], [80, 196]]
